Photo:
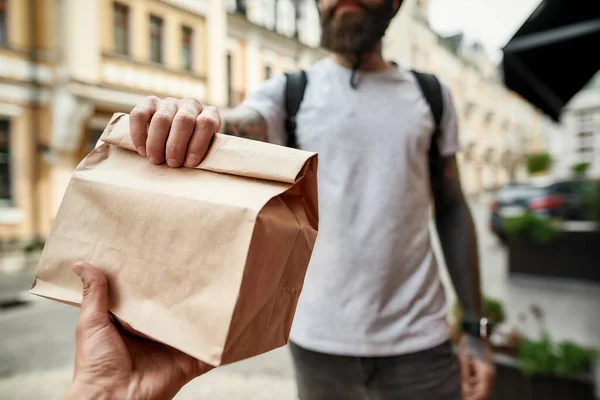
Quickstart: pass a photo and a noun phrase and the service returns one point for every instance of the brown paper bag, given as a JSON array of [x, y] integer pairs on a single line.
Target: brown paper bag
[[209, 260]]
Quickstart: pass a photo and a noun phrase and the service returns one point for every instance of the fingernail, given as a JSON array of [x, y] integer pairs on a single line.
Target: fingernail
[[154, 160], [77, 268], [171, 162], [192, 160], [142, 150]]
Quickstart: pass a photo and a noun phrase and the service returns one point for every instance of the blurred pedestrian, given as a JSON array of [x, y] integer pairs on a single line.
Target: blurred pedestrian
[[371, 320]]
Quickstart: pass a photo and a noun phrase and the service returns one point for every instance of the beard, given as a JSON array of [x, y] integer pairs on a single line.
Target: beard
[[355, 33]]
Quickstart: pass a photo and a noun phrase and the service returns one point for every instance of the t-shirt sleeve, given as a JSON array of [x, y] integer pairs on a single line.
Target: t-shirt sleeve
[[449, 142], [269, 101]]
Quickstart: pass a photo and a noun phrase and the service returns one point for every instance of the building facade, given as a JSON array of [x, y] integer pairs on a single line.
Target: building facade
[[268, 37], [67, 65], [497, 127], [577, 139]]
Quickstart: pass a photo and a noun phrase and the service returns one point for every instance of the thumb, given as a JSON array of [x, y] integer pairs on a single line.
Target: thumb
[[466, 368], [94, 305]]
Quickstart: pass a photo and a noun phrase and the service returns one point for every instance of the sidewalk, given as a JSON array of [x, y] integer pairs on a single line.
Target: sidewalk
[[17, 270]]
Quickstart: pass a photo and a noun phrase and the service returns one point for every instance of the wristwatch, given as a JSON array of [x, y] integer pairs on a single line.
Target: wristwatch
[[481, 329]]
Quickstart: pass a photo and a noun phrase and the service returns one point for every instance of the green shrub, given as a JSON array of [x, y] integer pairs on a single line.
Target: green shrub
[[591, 200], [538, 162], [544, 356], [493, 310], [580, 169], [532, 226], [35, 245]]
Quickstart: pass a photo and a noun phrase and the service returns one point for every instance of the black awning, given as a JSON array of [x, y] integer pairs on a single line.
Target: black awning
[[554, 54]]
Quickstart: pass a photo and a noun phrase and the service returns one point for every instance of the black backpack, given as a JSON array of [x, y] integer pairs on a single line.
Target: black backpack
[[432, 91]]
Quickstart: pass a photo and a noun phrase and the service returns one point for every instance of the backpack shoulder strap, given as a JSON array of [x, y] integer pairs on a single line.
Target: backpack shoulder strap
[[432, 91], [295, 85]]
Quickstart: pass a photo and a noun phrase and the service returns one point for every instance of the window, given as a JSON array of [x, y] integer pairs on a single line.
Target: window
[[156, 39], [3, 30], [229, 80], [5, 179], [586, 146], [121, 28], [186, 48], [588, 122], [268, 72]]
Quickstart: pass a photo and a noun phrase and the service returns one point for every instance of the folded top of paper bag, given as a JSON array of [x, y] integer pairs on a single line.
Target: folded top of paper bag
[[229, 154]]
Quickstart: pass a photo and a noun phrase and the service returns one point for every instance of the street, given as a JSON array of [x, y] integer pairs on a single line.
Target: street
[[36, 346]]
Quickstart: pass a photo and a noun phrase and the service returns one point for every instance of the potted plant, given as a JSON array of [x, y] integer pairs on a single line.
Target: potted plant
[[532, 227], [546, 369], [541, 246]]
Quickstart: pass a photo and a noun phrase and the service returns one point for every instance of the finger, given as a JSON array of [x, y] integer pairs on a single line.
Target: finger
[[160, 125], [468, 393], [466, 368], [181, 131], [207, 124], [139, 118], [485, 374], [94, 304]]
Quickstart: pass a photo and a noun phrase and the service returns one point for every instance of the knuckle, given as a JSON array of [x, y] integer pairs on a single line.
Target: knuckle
[[95, 319], [170, 102], [186, 116], [194, 102], [214, 111], [139, 112], [162, 117], [206, 123], [151, 99]]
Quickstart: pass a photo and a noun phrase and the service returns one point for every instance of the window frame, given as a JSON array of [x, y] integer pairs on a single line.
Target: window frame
[[159, 28], [187, 29], [121, 7], [5, 129], [4, 23]]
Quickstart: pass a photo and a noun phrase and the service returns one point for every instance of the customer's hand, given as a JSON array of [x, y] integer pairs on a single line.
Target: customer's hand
[[112, 364], [178, 131], [477, 368]]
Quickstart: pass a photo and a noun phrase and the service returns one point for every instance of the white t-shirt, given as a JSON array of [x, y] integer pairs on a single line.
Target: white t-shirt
[[372, 287]]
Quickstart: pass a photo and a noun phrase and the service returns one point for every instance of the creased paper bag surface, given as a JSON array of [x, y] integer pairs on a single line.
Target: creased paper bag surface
[[209, 260]]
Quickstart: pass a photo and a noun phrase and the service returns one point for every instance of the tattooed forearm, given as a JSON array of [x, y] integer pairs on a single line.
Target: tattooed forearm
[[246, 123], [457, 234]]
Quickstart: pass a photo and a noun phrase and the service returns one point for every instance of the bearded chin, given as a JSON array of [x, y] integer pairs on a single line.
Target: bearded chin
[[349, 34]]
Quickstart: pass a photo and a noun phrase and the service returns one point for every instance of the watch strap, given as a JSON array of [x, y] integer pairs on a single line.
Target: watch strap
[[480, 329]]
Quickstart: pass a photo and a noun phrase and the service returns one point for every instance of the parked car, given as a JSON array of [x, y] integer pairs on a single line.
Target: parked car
[[511, 200], [558, 199]]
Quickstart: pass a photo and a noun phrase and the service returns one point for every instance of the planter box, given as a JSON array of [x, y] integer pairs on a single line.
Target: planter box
[[574, 254], [511, 384]]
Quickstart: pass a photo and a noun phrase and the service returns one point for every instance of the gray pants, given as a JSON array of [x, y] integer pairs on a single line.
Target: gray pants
[[431, 374]]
